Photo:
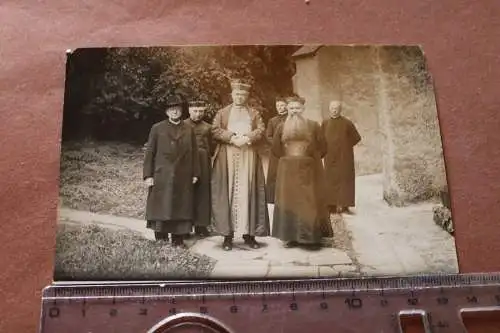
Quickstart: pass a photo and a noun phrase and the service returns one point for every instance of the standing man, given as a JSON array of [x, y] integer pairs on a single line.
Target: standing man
[[239, 207], [341, 137], [300, 215], [202, 202], [171, 168], [272, 127]]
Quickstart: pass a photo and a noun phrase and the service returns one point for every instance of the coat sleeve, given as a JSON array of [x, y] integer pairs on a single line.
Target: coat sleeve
[[320, 140], [277, 148], [150, 153], [219, 133], [211, 142], [259, 131], [195, 154], [354, 136], [270, 131]]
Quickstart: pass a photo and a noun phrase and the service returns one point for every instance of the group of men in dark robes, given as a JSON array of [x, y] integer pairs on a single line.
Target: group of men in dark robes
[[210, 177]]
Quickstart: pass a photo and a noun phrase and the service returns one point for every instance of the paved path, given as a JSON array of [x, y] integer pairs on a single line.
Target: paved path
[[393, 240], [271, 260], [385, 240]]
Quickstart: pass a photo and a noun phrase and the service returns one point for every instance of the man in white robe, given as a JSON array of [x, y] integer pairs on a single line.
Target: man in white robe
[[239, 206]]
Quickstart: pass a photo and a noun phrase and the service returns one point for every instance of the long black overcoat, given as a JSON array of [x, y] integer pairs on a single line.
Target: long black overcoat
[[172, 159]]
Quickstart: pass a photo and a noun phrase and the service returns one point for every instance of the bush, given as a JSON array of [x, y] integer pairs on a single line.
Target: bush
[[442, 217], [90, 252]]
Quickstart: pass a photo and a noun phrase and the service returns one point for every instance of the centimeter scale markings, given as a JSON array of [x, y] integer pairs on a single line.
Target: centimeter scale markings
[[318, 305]]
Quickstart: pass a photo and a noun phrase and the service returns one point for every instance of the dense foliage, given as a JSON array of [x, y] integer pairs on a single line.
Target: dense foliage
[[117, 93]]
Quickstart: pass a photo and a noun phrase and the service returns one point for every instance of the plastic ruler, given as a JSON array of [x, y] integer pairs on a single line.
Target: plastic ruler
[[381, 305]]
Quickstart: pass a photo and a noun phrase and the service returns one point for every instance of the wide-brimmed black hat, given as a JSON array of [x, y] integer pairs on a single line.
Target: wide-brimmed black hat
[[174, 101], [197, 103]]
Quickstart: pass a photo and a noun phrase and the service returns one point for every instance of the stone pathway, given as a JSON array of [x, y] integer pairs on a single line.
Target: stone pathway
[[379, 240], [271, 260], [397, 240]]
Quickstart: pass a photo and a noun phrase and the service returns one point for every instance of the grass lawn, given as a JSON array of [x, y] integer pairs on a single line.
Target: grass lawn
[[90, 252], [103, 178]]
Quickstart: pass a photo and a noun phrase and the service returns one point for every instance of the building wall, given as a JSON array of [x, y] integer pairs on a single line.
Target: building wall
[[385, 93], [347, 74], [413, 146], [306, 83]]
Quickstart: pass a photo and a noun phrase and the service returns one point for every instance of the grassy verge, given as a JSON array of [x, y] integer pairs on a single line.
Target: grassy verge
[[103, 178], [90, 252]]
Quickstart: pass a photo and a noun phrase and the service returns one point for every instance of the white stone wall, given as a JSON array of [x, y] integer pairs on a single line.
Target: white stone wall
[[394, 109]]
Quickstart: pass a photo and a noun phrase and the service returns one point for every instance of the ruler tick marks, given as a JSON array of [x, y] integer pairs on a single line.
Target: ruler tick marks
[[381, 298]]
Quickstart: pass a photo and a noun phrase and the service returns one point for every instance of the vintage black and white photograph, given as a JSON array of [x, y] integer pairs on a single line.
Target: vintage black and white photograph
[[251, 161]]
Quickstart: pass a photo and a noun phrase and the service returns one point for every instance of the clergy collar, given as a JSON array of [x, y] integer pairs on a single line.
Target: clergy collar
[[196, 121], [173, 122], [239, 107]]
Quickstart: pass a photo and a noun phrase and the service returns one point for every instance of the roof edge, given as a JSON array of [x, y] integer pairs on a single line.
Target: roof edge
[[308, 50]]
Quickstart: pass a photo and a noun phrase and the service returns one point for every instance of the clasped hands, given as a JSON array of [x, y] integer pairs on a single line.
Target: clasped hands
[[239, 140], [150, 181]]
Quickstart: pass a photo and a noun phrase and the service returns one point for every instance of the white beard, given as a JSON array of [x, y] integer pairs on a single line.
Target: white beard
[[295, 128]]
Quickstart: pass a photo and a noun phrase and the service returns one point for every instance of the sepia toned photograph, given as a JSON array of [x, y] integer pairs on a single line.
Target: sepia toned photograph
[[251, 161]]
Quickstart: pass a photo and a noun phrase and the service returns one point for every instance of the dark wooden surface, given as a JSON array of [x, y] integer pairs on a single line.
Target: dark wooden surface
[[460, 38]]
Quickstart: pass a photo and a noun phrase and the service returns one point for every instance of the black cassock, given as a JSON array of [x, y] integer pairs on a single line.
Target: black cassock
[[341, 136], [202, 199], [172, 160], [272, 128], [300, 213]]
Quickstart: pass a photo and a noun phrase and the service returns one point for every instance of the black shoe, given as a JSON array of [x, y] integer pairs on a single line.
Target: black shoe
[[250, 241], [201, 232], [313, 247], [178, 241], [228, 244], [347, 211], [291, 244], [161, 236]]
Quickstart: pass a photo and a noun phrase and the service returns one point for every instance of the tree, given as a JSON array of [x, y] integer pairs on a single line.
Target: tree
[[137, 82]]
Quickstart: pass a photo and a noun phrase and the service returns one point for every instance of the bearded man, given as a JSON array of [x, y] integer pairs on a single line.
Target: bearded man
[[239, 207], [300, 214]]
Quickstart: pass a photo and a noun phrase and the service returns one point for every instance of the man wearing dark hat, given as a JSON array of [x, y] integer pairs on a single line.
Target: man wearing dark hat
[[272, 126], [171, 169], [202, 131], [239, 207]]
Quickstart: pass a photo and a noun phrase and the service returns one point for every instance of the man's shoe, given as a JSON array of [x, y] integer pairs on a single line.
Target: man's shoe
[[202, 232], [227, 245], [347, 211], [250, 241], [178, 241]]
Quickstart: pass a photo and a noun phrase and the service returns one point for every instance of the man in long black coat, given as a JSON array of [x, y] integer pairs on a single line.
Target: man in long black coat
[[171, 169], [272, 127], [202, 200], [341, 137]]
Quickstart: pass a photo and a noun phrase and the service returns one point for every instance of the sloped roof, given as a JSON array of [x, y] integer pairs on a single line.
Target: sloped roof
[[307, 51]]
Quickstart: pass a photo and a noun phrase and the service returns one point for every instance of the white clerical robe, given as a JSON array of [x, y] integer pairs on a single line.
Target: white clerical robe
[[239, 162]]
